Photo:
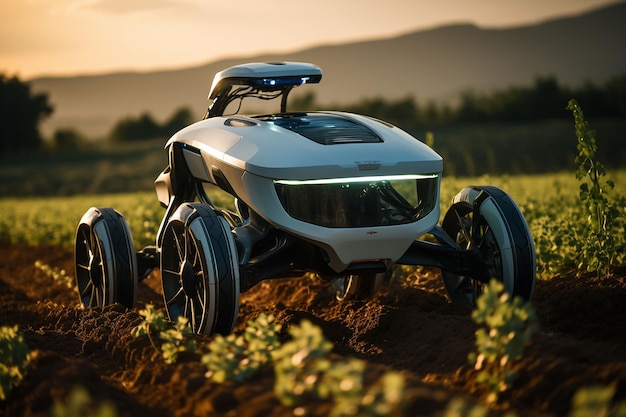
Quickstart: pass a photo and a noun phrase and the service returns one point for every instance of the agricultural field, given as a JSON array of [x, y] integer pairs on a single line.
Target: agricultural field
[[402, 352]]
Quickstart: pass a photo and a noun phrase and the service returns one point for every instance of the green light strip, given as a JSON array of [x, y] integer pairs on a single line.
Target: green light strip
[[325, 181]]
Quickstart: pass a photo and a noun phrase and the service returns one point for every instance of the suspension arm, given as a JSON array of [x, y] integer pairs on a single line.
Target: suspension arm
[[466, 262]]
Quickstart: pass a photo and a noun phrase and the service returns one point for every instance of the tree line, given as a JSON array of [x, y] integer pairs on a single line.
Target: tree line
[[545, 99], [21, 111], [146, 127]]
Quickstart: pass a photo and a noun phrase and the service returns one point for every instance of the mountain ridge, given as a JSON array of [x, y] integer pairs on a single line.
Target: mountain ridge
[[432, 64]]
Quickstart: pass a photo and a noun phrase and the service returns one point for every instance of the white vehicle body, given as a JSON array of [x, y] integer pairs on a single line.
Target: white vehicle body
[[341, 195], [253, 154]]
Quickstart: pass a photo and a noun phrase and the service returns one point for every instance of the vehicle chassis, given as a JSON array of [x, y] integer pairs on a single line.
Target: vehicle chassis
[[214, 254]]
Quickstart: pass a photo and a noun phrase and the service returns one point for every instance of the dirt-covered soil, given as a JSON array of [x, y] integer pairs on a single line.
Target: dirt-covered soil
[[409, 327]]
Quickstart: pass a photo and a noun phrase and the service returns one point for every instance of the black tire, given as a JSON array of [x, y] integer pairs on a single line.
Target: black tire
[[199, 269], [105, 259], [358, 287], [488, 217]]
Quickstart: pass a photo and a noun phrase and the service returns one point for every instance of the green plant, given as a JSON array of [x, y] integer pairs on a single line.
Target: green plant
[[597, 242], [304, 371], [79, 404], [59, 275], [173, 340], [261, 336], [386, 397], [343, 381], [237, 357], [227, 360], [458, 407], [14, 358], [300, 363], [596, 401], [176, 340], [555, 239], [506, 326]]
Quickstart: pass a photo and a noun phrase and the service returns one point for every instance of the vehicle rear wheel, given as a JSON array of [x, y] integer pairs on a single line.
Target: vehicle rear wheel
[[488, 218], [105, 259], [199, 269], [358, 287]]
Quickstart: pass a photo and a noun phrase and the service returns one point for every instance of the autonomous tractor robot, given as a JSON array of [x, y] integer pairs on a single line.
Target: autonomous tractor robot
[[341, 195]]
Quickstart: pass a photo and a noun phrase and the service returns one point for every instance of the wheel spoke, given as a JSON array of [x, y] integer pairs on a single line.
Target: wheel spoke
[[93, 243], [179, 249], [170, 272], [187, 243], [83, 267], [201, 317], [200, 292], [462, 227], [176, 296], [463, 282], [189, 312], [196, 259], [95, 295], [483, 231], [88, 290]]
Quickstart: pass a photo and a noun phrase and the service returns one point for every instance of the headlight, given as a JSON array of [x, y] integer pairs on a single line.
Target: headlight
[[359, 201]]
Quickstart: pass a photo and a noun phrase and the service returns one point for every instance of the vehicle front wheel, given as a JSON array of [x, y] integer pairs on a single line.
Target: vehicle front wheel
[[105, 259], [488, 218], [199, 269]]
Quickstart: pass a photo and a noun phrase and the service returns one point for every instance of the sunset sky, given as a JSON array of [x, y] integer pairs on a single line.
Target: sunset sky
[[71, 37]]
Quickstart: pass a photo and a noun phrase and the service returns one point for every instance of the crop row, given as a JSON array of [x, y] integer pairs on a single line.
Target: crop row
[[305, 374], [550, 203]]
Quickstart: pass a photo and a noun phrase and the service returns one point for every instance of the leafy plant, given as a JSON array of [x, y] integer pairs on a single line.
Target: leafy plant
[[176, 340], [597, 241], [300, 364], [79, 404], [583, 230], [304, 371], [458, 407], [14, 358], [506, 326], [237, 357], [173, 340], [59, 275], [596, 401], [227, 360], [384, 398]]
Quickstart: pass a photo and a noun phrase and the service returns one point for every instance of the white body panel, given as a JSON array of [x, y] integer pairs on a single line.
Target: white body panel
[[274, 152], [252, 153]]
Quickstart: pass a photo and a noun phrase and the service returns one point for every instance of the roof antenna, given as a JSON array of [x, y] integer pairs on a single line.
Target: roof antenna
[[283, 100]]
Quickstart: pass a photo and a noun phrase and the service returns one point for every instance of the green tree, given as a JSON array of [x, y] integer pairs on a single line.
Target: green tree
[[145, 127], [131, 129], [66, 139], [21, 111], [181, 118]]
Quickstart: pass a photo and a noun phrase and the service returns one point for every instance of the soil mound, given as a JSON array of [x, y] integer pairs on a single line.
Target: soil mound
[[408, 327]]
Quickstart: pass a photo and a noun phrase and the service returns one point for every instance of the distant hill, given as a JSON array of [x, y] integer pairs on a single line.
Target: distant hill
[[432, 64]]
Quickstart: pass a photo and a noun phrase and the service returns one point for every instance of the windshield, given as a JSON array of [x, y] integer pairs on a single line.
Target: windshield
[[360, 203]]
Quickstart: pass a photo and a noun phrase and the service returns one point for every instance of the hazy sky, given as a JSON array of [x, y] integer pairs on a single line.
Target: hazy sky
[[69, 37]]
